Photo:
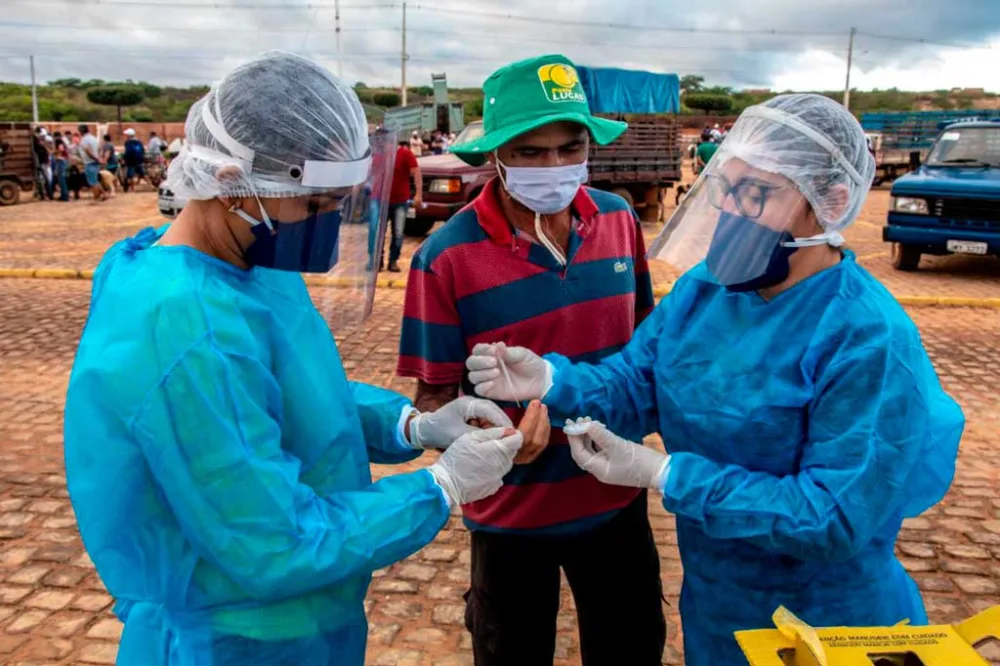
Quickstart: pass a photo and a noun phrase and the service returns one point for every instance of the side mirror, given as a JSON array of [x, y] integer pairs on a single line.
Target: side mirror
[[915, 159]]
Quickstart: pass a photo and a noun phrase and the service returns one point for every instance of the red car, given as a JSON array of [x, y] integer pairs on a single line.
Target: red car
[[449, 184]]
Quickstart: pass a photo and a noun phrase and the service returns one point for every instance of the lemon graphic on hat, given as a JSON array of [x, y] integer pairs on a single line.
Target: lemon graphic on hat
[[561, 83]]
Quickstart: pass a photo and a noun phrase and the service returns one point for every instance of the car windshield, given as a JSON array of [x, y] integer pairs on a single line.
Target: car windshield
[[471, 132], [971, 146]]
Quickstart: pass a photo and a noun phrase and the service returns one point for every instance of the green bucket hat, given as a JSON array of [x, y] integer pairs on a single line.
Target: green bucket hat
[[525, 95]]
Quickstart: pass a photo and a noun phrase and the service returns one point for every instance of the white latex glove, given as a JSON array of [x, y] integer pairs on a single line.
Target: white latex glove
[[438, 429], [474, 466], [500, 372], [614, 460]]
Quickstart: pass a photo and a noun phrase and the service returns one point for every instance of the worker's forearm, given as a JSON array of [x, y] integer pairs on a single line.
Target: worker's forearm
[[431, 397]]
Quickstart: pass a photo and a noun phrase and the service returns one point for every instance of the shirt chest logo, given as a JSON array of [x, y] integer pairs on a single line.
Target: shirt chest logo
[[621, 267]]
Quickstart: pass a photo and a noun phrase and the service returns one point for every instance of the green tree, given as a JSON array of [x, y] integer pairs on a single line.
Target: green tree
[[708, 103], [386, 99], [66, 83], [691, 83], [139, 115], [149, 90], [474, 109], [116, 96], [423, 91]]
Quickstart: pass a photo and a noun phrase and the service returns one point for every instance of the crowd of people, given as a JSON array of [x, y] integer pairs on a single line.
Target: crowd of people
[[71, 162], [430, 143], [800, 415]]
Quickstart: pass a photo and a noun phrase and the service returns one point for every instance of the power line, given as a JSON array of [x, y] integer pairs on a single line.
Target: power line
[[422, 31], [625, 26], [918, 40]]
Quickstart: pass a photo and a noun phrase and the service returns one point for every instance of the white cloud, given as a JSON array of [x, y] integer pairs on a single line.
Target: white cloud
[[182, 45]]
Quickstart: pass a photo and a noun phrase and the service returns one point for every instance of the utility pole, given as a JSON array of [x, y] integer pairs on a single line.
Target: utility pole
[[340, 55], [34, 91], [847, 84], [402, 94]]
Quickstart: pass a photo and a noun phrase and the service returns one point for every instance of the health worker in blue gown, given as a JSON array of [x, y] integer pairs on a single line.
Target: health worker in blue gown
[[216, 454], [800, 413]]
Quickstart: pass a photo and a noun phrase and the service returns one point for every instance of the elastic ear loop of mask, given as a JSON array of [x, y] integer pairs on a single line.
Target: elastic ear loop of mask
[[539, 233]]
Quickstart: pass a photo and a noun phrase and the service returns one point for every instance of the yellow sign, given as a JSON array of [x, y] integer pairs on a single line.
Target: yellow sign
[[561, 83], [794, 643]]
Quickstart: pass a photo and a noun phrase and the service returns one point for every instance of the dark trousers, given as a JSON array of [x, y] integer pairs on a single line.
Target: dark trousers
[[613, 572], [397, 224]]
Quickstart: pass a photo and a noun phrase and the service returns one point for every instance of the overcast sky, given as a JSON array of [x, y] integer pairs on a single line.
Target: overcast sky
[[729, 42]]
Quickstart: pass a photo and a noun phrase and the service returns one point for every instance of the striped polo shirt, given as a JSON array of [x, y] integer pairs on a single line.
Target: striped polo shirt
[[475, 280]]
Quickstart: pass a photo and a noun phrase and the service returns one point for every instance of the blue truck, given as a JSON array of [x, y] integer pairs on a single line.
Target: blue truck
[[951, 203]]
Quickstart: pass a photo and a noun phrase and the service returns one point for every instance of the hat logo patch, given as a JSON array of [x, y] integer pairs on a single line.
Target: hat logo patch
[[561, 83]]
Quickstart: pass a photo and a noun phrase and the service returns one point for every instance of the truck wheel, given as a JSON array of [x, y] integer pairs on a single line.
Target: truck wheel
[[624, 194], [10, 193], [419, 226], [905, 257]]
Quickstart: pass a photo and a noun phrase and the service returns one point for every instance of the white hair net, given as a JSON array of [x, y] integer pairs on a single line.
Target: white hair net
[[278, 126], [814, 142]]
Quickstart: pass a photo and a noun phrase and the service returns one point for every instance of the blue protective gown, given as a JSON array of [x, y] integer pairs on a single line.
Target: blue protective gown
[[218, 463], [802, 431]]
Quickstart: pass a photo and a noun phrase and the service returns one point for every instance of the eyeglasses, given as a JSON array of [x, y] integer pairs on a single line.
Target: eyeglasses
[[749, 195]]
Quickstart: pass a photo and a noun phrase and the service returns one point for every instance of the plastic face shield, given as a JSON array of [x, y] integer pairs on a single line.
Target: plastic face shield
[[734, 218], [345, 293]]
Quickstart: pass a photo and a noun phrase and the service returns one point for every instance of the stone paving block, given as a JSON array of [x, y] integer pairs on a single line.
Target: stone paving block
[[99, 653], [106, 630], [453, 614], [64, 625], [52, 600], [399, 658], [26, 621]]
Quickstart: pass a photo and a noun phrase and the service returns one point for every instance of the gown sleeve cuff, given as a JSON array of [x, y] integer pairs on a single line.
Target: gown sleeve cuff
[[401, 439]]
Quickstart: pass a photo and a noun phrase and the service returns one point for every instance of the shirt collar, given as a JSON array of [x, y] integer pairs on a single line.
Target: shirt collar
[[491, 218]]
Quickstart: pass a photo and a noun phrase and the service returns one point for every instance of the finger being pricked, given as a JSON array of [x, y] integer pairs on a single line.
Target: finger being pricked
[[537, 431]]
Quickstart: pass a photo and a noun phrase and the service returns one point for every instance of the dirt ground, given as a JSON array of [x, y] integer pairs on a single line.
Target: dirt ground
[[54, 609]]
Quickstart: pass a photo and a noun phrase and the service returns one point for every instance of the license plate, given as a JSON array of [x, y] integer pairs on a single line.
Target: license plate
[[412, 213], [967, 247]]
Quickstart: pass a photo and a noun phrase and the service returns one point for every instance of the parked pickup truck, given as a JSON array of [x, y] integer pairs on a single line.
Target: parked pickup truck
[[640, 166], [901, 140], [951, 203]]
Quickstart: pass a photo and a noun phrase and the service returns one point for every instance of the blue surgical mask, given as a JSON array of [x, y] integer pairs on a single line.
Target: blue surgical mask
[[544, 190], [736, 259], [306, 246], [736, 256]]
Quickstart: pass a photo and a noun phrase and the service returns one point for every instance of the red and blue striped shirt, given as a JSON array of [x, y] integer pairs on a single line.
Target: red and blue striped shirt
[[474, 280]]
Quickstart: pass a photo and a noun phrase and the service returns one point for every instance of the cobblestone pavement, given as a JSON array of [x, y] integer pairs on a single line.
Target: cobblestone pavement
[[54, 609]]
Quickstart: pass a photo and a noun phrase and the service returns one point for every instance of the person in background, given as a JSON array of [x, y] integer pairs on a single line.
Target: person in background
[[451, 138], [135, 157], [43, 164], [61, 166], [437, 146], [405, 172], [156, 145], [416, 144], [801, 415], [109, 156], [91, 156], [243, 525], [716, 133], [539, 260], [706, 149]]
